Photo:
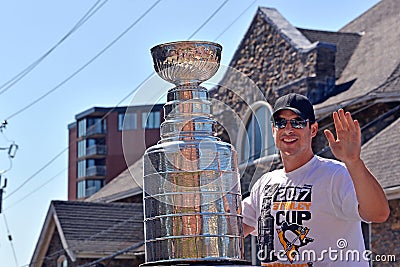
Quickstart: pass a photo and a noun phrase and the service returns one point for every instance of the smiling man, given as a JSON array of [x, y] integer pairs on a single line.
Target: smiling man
[[311, 210]]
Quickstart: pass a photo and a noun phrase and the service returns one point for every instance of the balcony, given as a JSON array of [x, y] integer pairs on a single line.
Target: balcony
[[96, 171], [91, 190], [95, 131], [88, 187], [96, 150]]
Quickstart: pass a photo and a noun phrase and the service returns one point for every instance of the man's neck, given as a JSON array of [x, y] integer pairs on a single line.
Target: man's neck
[[291, 163]]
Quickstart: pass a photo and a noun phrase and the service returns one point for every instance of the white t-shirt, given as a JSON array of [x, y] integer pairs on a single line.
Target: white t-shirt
[[311, 213]]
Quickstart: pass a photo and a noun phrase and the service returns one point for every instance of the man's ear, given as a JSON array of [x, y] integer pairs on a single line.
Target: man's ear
[[273, 130], [314, 129]]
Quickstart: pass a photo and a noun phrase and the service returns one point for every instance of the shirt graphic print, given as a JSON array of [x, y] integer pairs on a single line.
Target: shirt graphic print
[[285, 210]]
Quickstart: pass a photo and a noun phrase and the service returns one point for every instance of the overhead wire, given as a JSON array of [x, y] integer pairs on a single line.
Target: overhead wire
[[86, 64], [11, 149], [36, 173], [235, 20], [132, 219], [9, 236], [208, 19], [36, 189], [122, 100], [112, 256], [110, 111], [65, 149], [149, 76], [93, 10]]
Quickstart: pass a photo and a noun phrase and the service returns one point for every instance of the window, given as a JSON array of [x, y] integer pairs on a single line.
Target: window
[[151, 120], [91, 167], [127, 121], [81, 189], [95, 126], [92, 146], [96, 146], [90, 126], [257, 141], [82, 148], [87, 188], [62, 261], [81, 127], [81, 168]]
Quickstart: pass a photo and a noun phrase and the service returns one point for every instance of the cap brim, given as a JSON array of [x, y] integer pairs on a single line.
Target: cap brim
[[291, 109]]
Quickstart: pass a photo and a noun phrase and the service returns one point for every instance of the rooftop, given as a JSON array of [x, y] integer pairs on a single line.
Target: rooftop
[[87, 228]]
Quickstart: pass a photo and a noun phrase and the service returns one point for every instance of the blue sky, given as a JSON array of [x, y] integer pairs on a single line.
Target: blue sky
[[30, 28]]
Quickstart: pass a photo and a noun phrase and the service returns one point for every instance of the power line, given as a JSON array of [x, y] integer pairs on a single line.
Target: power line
[[149, 76], [111, 257], [203, 24], [207, 20], [86, 64], [84, 19], [10, 239], [36, 173], [122, 100], [77, 244], [234, 21], [7, 85], [36, 189], [65, 149]]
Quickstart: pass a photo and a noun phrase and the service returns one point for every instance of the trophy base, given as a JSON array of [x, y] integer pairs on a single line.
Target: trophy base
[[200, 262]]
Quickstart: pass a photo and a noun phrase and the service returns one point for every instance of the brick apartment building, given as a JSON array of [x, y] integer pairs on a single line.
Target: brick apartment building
[[98, 142]]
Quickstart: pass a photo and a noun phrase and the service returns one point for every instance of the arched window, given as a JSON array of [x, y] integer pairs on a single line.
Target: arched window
[[62, 261], [256, 141]]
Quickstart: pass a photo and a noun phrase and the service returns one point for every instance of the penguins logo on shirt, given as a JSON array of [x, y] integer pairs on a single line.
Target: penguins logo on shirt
[[291, 246]]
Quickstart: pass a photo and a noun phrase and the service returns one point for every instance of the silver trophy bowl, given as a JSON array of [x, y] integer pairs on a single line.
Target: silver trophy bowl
[[186, 62], [192, 211]]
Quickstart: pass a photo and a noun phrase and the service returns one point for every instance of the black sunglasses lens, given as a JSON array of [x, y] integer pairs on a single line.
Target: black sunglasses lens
[[298, 124], [280, 123], [295, 123]]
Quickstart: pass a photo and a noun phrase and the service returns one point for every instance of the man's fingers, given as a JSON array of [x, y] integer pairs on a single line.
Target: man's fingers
[[329, 136], [344, 119], [337, 123], [357, 125], [350, 121]]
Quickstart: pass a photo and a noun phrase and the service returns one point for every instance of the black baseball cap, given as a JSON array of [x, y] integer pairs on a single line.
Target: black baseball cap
[[297, 103]]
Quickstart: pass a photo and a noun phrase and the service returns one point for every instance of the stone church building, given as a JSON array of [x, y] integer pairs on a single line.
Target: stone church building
[[356, 68]]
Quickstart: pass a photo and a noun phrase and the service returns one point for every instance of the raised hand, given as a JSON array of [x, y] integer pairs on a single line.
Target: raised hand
[[372, 203], [347, 145]]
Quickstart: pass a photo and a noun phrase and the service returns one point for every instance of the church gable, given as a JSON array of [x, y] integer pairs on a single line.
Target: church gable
[[280, 59]]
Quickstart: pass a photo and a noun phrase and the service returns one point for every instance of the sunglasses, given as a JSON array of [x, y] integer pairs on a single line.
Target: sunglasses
[[297, 123]]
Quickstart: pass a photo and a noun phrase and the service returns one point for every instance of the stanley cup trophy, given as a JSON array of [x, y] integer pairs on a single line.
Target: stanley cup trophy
[[192, 197]]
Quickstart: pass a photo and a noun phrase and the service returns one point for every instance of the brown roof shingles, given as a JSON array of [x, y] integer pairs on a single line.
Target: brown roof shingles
[[381, 155], [99, 227], [345, 43], [127, 183], [376, 56]]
